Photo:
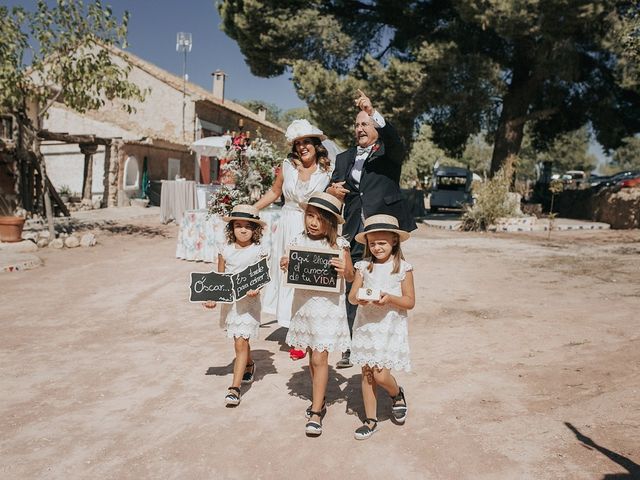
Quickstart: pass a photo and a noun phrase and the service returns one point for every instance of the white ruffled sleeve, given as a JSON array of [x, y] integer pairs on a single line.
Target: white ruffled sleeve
[[404, 268], [361, 266], [343, 243]]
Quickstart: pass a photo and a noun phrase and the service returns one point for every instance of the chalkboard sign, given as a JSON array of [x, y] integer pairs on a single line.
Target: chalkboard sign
[[214, 286], [251, 278], [310, 269]]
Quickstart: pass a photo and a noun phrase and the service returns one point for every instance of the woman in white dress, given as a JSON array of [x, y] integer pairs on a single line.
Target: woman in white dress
[[307, 170]]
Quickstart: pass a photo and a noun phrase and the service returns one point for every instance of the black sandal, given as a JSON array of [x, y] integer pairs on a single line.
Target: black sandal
[[399, 410], [232, 399], [312, 428], [248, 376], [365, 431], [323, 409]]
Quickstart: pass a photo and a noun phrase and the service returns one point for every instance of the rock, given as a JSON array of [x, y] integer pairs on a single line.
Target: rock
[[72, 242], [15, 262], [30, 235], [56, 243], [45, 234], [43, 242], [140, 202], [96, 204], [24, 246], [88, 240]]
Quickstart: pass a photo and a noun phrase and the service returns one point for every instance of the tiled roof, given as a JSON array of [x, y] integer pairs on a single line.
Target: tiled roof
[[191, 88]]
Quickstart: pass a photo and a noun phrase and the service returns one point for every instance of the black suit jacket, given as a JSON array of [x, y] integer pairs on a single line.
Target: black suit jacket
[[379, 189]]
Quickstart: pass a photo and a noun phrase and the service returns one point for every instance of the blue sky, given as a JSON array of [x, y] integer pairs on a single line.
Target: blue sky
[[153, 25]]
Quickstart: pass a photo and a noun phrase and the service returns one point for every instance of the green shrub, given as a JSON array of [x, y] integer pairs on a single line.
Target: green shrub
[[492, 201]]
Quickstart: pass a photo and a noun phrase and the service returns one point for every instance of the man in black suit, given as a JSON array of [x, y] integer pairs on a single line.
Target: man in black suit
[[367, 179]]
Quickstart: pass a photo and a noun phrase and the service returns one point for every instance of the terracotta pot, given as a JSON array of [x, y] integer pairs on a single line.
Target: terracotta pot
[[11, 229]]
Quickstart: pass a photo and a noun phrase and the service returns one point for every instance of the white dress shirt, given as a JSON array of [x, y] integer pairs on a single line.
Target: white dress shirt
[[363, 153]]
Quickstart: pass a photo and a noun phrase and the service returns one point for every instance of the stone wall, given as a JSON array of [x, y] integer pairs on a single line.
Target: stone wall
[[618, 208]]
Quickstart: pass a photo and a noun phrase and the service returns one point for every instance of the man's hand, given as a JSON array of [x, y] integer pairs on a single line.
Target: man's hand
[[364, 103], [337, 190]]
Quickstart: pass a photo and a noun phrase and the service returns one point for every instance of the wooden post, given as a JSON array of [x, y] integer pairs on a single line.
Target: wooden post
[[88, 149], [105, 177]]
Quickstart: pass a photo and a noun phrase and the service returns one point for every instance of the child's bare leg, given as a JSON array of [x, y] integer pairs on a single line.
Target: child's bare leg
[[249, 359], [309, 352], [241, 346], [387, 381], [369, 394], [320, 377]]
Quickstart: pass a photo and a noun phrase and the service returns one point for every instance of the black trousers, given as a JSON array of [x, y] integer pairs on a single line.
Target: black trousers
[[357, 250]]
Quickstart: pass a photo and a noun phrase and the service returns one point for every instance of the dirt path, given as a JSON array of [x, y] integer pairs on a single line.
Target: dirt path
[[525, 352]]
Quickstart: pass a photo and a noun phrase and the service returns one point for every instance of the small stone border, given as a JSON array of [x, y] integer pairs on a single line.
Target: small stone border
[[18, 262], [455, 225]]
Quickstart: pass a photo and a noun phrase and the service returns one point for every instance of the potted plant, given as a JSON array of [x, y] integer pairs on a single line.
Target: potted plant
[[65, 193], [10, 224]]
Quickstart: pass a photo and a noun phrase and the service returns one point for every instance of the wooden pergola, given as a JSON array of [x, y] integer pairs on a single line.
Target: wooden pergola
[[88, 147]]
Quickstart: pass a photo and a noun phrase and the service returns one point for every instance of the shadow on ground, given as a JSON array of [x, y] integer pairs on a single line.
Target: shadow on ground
[[279, 335], [632, 468], [264, 367], [71, 225]]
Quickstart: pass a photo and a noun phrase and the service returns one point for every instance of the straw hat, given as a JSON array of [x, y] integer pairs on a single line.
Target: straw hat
[[303, 129], [325, 201], [248, 213], [381, 223]]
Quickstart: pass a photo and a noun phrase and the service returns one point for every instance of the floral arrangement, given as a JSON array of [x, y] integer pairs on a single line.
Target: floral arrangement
[[253, 168]]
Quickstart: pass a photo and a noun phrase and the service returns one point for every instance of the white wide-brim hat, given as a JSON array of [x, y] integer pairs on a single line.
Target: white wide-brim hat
[[325, 201], [303, 129], [248, 213], [381, 223]]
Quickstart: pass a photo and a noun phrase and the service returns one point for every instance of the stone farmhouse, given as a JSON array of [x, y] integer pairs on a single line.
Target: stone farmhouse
[[154, 135]]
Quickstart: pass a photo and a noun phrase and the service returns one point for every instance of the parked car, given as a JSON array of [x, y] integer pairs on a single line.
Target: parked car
[[451, 188], [574, 178], [615, 179], [630, 182]]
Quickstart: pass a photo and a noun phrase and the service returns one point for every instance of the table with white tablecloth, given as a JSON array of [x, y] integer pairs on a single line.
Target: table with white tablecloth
[[201, 236], [176, 197]]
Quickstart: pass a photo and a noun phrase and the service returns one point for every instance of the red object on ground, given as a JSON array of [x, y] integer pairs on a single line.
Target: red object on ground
[[296, 354]]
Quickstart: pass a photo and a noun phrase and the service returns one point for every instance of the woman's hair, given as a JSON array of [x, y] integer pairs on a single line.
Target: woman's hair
[[255, 238], [330, 224], [396, 252], [322, 156]]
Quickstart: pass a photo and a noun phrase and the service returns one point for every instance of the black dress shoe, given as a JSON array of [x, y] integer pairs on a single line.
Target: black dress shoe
[[345, 361]]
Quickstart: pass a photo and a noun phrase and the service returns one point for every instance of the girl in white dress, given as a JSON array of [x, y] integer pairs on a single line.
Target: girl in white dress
[[319, 321], [241, 319], [380, 339], [307, 170]]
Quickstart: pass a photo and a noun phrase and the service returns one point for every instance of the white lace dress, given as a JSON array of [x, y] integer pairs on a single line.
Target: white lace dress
[[319, 319], [291, 223], [241, 318], [380, 334]]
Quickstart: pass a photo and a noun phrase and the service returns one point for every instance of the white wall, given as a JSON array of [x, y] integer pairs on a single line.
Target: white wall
[[65, 163]]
